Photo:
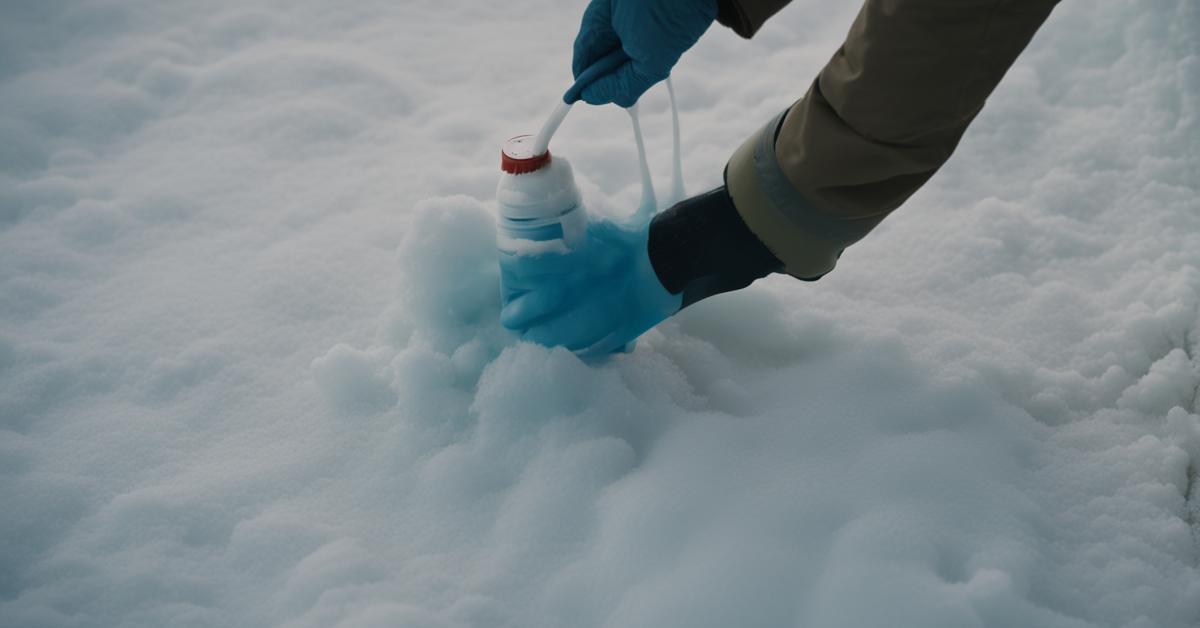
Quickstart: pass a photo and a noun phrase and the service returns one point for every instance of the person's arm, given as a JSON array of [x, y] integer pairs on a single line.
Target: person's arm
[[880, 119], [883, 115]]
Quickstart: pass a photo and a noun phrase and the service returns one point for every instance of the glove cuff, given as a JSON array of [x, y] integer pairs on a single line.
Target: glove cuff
[[745, 17], [701, 247]]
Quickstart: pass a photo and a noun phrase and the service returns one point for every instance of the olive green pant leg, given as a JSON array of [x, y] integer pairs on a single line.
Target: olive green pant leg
[[883, 115]]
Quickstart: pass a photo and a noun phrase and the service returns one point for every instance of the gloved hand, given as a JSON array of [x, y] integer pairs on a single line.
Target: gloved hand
[[602, 296], [654, 33]]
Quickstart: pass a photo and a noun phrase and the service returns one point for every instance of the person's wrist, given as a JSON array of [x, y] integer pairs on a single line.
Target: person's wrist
[[653, 293], [701, 247]]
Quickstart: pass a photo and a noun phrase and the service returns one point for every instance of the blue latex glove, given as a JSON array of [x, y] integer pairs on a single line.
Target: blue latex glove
[[598, 299], [653, 33]]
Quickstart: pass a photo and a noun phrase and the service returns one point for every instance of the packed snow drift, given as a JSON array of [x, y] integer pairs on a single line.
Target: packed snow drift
[[251, 372]]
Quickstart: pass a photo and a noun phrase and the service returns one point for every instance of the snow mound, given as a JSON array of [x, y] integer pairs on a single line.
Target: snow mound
[[251, 372]]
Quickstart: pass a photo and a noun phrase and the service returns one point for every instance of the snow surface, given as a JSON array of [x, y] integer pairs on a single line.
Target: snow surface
[[251, 375]]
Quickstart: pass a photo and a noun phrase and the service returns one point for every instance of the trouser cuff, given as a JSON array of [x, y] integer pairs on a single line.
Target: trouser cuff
[[807, 240]]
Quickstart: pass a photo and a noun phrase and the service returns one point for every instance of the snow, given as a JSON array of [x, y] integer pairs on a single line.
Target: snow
[[251, 373]]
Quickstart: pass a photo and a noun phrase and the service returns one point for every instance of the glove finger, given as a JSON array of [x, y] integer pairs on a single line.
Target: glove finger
[[578, 329], [623, 87], [608, 345], [527, 309], [596, 36], [537, 270]]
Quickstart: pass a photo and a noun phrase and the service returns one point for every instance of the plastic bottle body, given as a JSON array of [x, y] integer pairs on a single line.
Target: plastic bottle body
[[541, 222]]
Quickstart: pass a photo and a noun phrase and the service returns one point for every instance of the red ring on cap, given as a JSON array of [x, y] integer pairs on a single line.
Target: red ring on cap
[[514, 164]]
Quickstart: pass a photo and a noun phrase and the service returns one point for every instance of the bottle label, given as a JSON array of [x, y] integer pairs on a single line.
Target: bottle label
[[532, 230]]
